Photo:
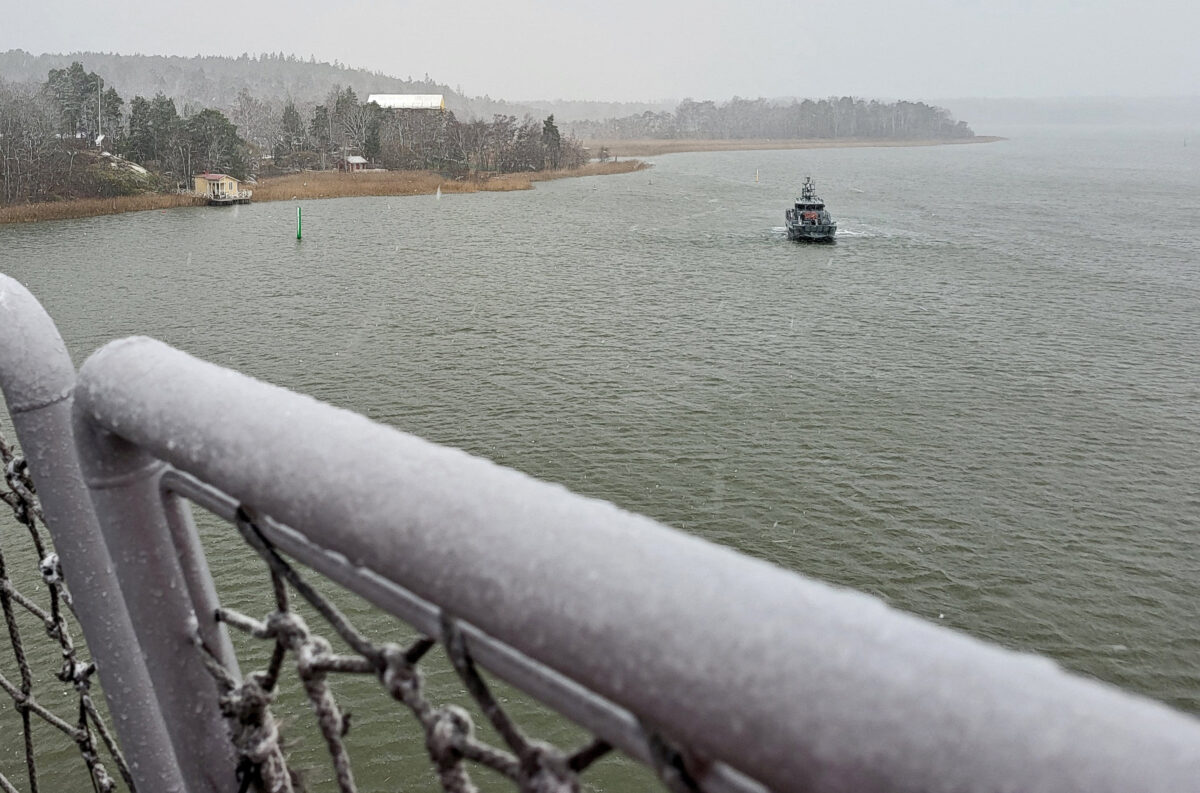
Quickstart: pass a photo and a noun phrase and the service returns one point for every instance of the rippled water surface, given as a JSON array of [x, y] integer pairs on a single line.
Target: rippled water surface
[[982, 404]]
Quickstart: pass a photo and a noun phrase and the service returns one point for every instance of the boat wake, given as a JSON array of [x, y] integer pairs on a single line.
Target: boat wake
[[879, 232]]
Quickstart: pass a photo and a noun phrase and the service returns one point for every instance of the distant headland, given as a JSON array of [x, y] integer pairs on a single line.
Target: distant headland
[[96, 133], [656, 147]]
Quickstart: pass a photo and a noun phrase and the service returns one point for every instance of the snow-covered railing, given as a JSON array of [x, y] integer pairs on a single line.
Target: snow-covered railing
[[722, 672]]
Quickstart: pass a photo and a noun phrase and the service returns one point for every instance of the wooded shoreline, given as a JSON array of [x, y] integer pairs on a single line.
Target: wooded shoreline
[[311, 185], [653, 147]]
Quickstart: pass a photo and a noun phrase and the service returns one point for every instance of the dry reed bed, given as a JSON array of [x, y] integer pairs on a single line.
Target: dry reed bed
[[90, 207], [653, 148], [593, 169], [328, 184], [331, 184]]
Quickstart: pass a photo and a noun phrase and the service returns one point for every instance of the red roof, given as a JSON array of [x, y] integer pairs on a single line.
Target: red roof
[[216, 177]]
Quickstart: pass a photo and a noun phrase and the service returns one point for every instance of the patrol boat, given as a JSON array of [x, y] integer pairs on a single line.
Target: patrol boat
[[809, 220]]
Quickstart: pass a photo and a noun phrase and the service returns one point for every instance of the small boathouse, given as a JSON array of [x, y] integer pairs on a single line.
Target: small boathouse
[[221, 189], [352, 164]]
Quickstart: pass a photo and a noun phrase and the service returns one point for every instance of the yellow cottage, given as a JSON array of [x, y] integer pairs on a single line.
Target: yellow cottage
[[218, 185]]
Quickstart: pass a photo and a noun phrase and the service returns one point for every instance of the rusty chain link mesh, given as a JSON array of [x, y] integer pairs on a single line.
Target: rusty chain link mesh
[[85, 728], [449, 732]]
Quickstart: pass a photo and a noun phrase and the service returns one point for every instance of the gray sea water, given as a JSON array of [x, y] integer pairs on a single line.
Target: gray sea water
[[982, 404]]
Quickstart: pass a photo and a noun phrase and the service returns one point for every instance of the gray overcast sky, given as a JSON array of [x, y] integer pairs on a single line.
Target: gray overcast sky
[[706, 49]]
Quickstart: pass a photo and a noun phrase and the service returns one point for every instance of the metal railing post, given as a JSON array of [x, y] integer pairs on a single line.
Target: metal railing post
[[161, 582], [38, 381]]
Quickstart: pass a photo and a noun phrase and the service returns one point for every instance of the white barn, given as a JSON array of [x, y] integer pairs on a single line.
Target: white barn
[[409, 101]]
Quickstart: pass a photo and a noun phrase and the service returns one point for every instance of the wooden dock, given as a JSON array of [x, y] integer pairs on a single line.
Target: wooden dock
[[240, 197]]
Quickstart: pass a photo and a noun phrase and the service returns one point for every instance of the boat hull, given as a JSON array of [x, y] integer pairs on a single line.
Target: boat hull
[[822, 232]]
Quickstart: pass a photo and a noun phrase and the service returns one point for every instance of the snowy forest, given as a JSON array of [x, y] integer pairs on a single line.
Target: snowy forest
[[55, 137], [215, 81], [742, 119]]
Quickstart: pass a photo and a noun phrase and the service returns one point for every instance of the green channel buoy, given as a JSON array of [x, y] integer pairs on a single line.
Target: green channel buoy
[[298, 224]]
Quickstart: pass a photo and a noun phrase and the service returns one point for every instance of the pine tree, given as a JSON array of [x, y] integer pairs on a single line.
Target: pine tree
[[551, 143]]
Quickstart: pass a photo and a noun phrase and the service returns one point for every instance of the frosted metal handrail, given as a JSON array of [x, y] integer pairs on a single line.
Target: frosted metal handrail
[[604, 719], [793, 683]]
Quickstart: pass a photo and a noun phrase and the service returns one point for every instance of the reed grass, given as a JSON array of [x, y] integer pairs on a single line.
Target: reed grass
[[593, 169], [332, 184], [91, 207]]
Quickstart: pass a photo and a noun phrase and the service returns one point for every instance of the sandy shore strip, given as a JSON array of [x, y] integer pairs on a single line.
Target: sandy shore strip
[[312, 185]]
